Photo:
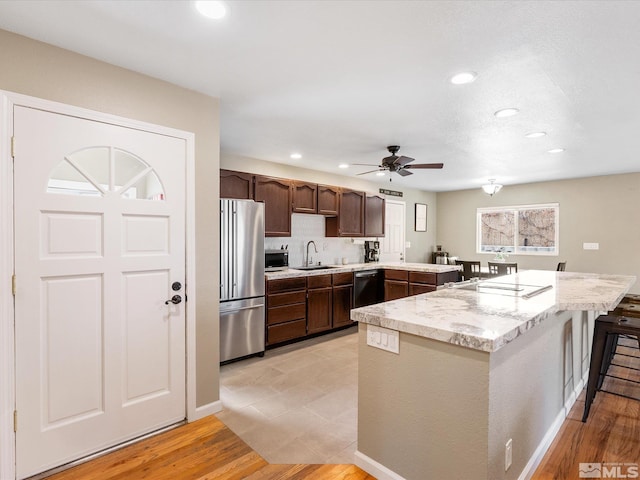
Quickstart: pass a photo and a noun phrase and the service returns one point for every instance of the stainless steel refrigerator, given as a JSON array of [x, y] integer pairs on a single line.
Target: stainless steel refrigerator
[[242, 306]]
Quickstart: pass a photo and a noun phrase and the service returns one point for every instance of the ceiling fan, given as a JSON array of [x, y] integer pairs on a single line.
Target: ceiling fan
[[398, 164]]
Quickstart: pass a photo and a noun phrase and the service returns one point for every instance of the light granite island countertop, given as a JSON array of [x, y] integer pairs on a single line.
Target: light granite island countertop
[[484, 375], [488, 314]]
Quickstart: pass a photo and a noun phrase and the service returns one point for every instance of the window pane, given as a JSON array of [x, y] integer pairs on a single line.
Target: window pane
[[147, 188], [95, 162], [497, 231], [66, 179], [537, 230]]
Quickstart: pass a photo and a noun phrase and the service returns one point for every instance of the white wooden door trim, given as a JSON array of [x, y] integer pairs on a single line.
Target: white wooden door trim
[[7, 365]]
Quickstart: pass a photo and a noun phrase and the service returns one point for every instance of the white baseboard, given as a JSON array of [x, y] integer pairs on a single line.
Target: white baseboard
[[374, 468], [206, 410], [554, 428]]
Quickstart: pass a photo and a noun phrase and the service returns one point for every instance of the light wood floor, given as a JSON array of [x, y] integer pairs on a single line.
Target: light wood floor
[[202, 450]]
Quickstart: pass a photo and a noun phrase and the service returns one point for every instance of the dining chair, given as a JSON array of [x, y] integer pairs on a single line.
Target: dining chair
[[497, 269], [470, 269], [561, 266]]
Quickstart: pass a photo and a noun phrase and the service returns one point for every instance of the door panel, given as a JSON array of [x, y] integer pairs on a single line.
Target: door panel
[[100, 237], [392, 246]]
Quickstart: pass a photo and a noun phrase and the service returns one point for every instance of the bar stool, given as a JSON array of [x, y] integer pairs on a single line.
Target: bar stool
[[605, 338]]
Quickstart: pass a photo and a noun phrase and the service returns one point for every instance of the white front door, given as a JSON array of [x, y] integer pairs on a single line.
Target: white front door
[[99, 243], [393, 244]]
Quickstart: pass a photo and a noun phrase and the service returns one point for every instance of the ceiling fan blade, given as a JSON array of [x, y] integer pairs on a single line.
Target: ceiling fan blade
[[426, 165], [366, 164], [403, 172], [371, 171], [403, 160], [389, 160]]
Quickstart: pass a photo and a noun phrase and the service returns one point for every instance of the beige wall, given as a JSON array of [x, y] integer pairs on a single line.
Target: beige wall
[[596, 209], [40, 70], [422, 243]]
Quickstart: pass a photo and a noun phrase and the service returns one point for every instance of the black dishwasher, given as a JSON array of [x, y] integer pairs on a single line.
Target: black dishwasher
[[368, 288]]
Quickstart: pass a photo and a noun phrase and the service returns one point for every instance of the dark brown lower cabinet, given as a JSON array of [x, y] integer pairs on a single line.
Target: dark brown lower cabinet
[[342, 304], [319, 302]]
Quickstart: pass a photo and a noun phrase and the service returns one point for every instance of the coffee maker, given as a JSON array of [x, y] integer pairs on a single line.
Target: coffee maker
[[371, 251]]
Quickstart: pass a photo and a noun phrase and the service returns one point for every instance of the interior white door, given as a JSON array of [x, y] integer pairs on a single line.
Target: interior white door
[[392, 246], [100, 239]]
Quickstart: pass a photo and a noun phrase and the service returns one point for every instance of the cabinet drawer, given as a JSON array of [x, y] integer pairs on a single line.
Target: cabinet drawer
[[279, 299], [286, 331], [345, 278], [318, 281], [396, 275], [422, 277], [417, 288], [286, 313], [286, 284]]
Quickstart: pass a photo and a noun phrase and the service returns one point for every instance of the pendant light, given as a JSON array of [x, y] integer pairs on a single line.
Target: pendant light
[[491, 188]]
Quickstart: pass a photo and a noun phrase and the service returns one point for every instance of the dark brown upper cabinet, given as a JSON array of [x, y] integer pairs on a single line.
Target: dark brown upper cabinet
[[328, 200], [305, 197], [374, 215], [236, 184], [350, 219], [276, 195]]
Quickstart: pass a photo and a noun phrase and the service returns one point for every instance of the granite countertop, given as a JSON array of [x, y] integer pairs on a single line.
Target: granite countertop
[[356, 267], [462, 315]]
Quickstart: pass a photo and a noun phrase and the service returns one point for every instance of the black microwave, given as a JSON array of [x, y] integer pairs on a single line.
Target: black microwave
[[275, 260]]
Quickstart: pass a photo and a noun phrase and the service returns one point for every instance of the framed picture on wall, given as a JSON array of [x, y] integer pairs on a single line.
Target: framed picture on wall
[[421, 217]]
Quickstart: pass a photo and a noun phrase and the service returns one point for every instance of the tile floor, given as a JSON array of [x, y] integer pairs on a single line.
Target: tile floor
[[297, 404]]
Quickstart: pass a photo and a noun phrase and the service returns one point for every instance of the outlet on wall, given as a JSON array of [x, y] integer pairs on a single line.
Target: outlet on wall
[[590, 246], [508, 454]]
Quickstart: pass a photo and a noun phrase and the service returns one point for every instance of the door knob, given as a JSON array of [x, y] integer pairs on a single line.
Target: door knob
[[176, 299]]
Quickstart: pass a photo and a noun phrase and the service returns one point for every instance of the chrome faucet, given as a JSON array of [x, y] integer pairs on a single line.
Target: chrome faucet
[[309, 262]]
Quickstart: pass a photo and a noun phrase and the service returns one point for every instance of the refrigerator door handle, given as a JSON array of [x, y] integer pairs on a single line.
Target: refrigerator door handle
[[224, 250], [234, 254], [231, 310]]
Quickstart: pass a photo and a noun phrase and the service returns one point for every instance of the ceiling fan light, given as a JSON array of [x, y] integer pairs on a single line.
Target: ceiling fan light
[[491, 188], [343, 165], [381, 174]]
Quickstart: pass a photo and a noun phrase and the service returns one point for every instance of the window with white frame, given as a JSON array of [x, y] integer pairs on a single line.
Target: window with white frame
[[520, 230]]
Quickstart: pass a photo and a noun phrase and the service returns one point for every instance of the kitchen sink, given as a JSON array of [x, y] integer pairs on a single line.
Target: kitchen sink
[[314, 267]]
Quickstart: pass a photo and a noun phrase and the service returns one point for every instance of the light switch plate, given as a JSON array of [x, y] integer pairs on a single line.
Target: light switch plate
[[590, 246], [383, 338]]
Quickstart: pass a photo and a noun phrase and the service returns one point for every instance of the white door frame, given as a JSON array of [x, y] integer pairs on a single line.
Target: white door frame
[[7, 354]]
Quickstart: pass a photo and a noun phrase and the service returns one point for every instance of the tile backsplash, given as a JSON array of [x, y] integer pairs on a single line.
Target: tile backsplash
[[305, 227]]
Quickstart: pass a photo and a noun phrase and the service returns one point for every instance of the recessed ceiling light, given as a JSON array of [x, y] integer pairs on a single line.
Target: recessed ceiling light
[[535, 134], [380, 174], [295, 156], [507, 112], [463, 77], [211, 9], [343, 165], [556, 150]]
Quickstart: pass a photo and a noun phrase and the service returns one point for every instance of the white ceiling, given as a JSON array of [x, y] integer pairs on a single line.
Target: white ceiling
[[338, 81]]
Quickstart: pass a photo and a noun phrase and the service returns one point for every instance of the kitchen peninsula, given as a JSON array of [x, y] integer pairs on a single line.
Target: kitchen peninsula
[[485, 375]]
